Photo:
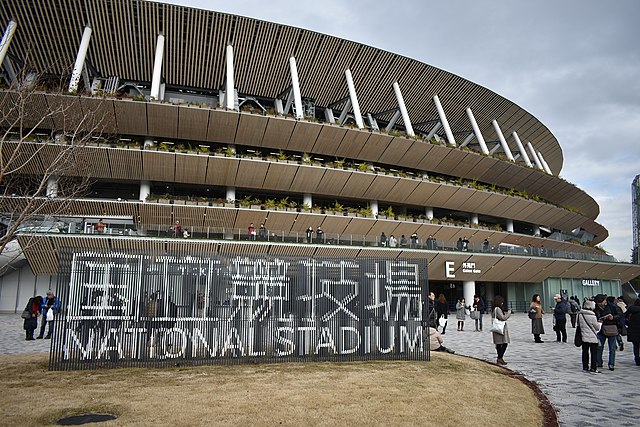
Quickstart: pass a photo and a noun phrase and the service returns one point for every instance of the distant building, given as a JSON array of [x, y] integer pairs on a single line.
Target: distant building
[[635, 218]]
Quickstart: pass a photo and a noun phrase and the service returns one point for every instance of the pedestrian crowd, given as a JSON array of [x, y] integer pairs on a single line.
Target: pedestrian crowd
[[600, 323]]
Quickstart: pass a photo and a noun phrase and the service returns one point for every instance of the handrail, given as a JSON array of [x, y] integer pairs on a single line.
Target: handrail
[[324, 238]]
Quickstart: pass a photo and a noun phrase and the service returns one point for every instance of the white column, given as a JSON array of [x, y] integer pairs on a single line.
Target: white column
[[444, 121], [433, 131], [476, 131], [230, 94], [428, 212], [536, 230], [509, 225], [473, 218], [295, 83], [373, 204], [52, 186], [354, 99], [503, 142], [148, 142], [307, 199], [82, 54], [145, 190], [231, 194], [545, 166], [535, 156], [345, 111], [157, 68], [523, 152], [468, 291], [403, 110], [6, 39]]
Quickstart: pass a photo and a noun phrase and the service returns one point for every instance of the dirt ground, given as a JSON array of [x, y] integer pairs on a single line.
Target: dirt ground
[[447, 391]]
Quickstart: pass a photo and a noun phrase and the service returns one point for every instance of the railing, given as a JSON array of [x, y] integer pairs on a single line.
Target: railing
[[301, 237]]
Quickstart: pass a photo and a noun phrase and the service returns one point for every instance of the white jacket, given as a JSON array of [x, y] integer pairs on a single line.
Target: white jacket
[[589, 326]]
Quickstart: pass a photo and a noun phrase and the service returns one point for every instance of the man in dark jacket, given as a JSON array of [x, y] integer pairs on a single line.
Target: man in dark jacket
[[560, 317], [49, 302], [608, 315]]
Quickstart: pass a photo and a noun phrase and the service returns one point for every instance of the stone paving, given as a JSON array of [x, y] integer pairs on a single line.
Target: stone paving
[[581, 399]]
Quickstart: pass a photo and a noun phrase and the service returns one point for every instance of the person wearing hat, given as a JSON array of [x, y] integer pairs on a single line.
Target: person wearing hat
[[49, 302], [560, 317], [609, 318]]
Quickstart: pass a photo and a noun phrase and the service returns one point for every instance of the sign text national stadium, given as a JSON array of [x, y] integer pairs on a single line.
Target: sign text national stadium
[[137, 309]]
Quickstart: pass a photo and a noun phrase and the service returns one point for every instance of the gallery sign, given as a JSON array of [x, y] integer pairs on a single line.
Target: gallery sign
[[138, 310], [590, 282]]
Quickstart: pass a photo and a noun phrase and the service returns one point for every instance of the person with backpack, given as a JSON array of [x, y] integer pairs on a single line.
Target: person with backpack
[[574, 308]]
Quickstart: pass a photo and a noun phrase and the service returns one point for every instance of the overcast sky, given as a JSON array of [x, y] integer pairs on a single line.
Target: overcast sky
[[573, 64]]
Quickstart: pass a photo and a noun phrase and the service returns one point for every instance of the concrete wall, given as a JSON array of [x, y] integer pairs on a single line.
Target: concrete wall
[[18, 286]]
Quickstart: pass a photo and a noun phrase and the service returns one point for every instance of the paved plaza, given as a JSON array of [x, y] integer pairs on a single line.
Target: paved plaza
[[581, 399]]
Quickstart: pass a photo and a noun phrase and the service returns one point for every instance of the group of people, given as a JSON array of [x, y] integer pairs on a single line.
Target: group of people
[[177, 230], [438, 315], [46, 307], [602, 319], [319, 235], [412, 242]]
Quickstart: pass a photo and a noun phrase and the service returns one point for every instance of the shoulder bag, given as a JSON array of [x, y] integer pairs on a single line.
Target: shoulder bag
[[532, 313], [26, 315], [577, 339], [497, 325], [609, 330]]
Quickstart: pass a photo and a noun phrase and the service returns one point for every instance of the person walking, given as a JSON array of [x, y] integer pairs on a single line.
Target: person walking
[[479, 308], [632, 318], [574, 308], [31, 324], [589, 327], [537, 327], [442, 311], [501, 341], [460, 313], [560, 318]]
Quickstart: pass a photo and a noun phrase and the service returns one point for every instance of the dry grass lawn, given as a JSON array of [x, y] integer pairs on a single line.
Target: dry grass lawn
[[448, 391]]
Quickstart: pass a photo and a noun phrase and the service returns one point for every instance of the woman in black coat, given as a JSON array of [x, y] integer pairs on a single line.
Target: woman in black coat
[[30, 325], [632, 317]]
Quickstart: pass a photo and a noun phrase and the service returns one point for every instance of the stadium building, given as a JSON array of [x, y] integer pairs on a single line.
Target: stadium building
[[208, 133]]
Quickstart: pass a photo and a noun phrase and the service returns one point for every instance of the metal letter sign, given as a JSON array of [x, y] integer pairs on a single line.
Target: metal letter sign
[[147, 310]]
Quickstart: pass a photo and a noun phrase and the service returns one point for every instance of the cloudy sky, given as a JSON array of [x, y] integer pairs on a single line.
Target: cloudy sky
[[574, 64]]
